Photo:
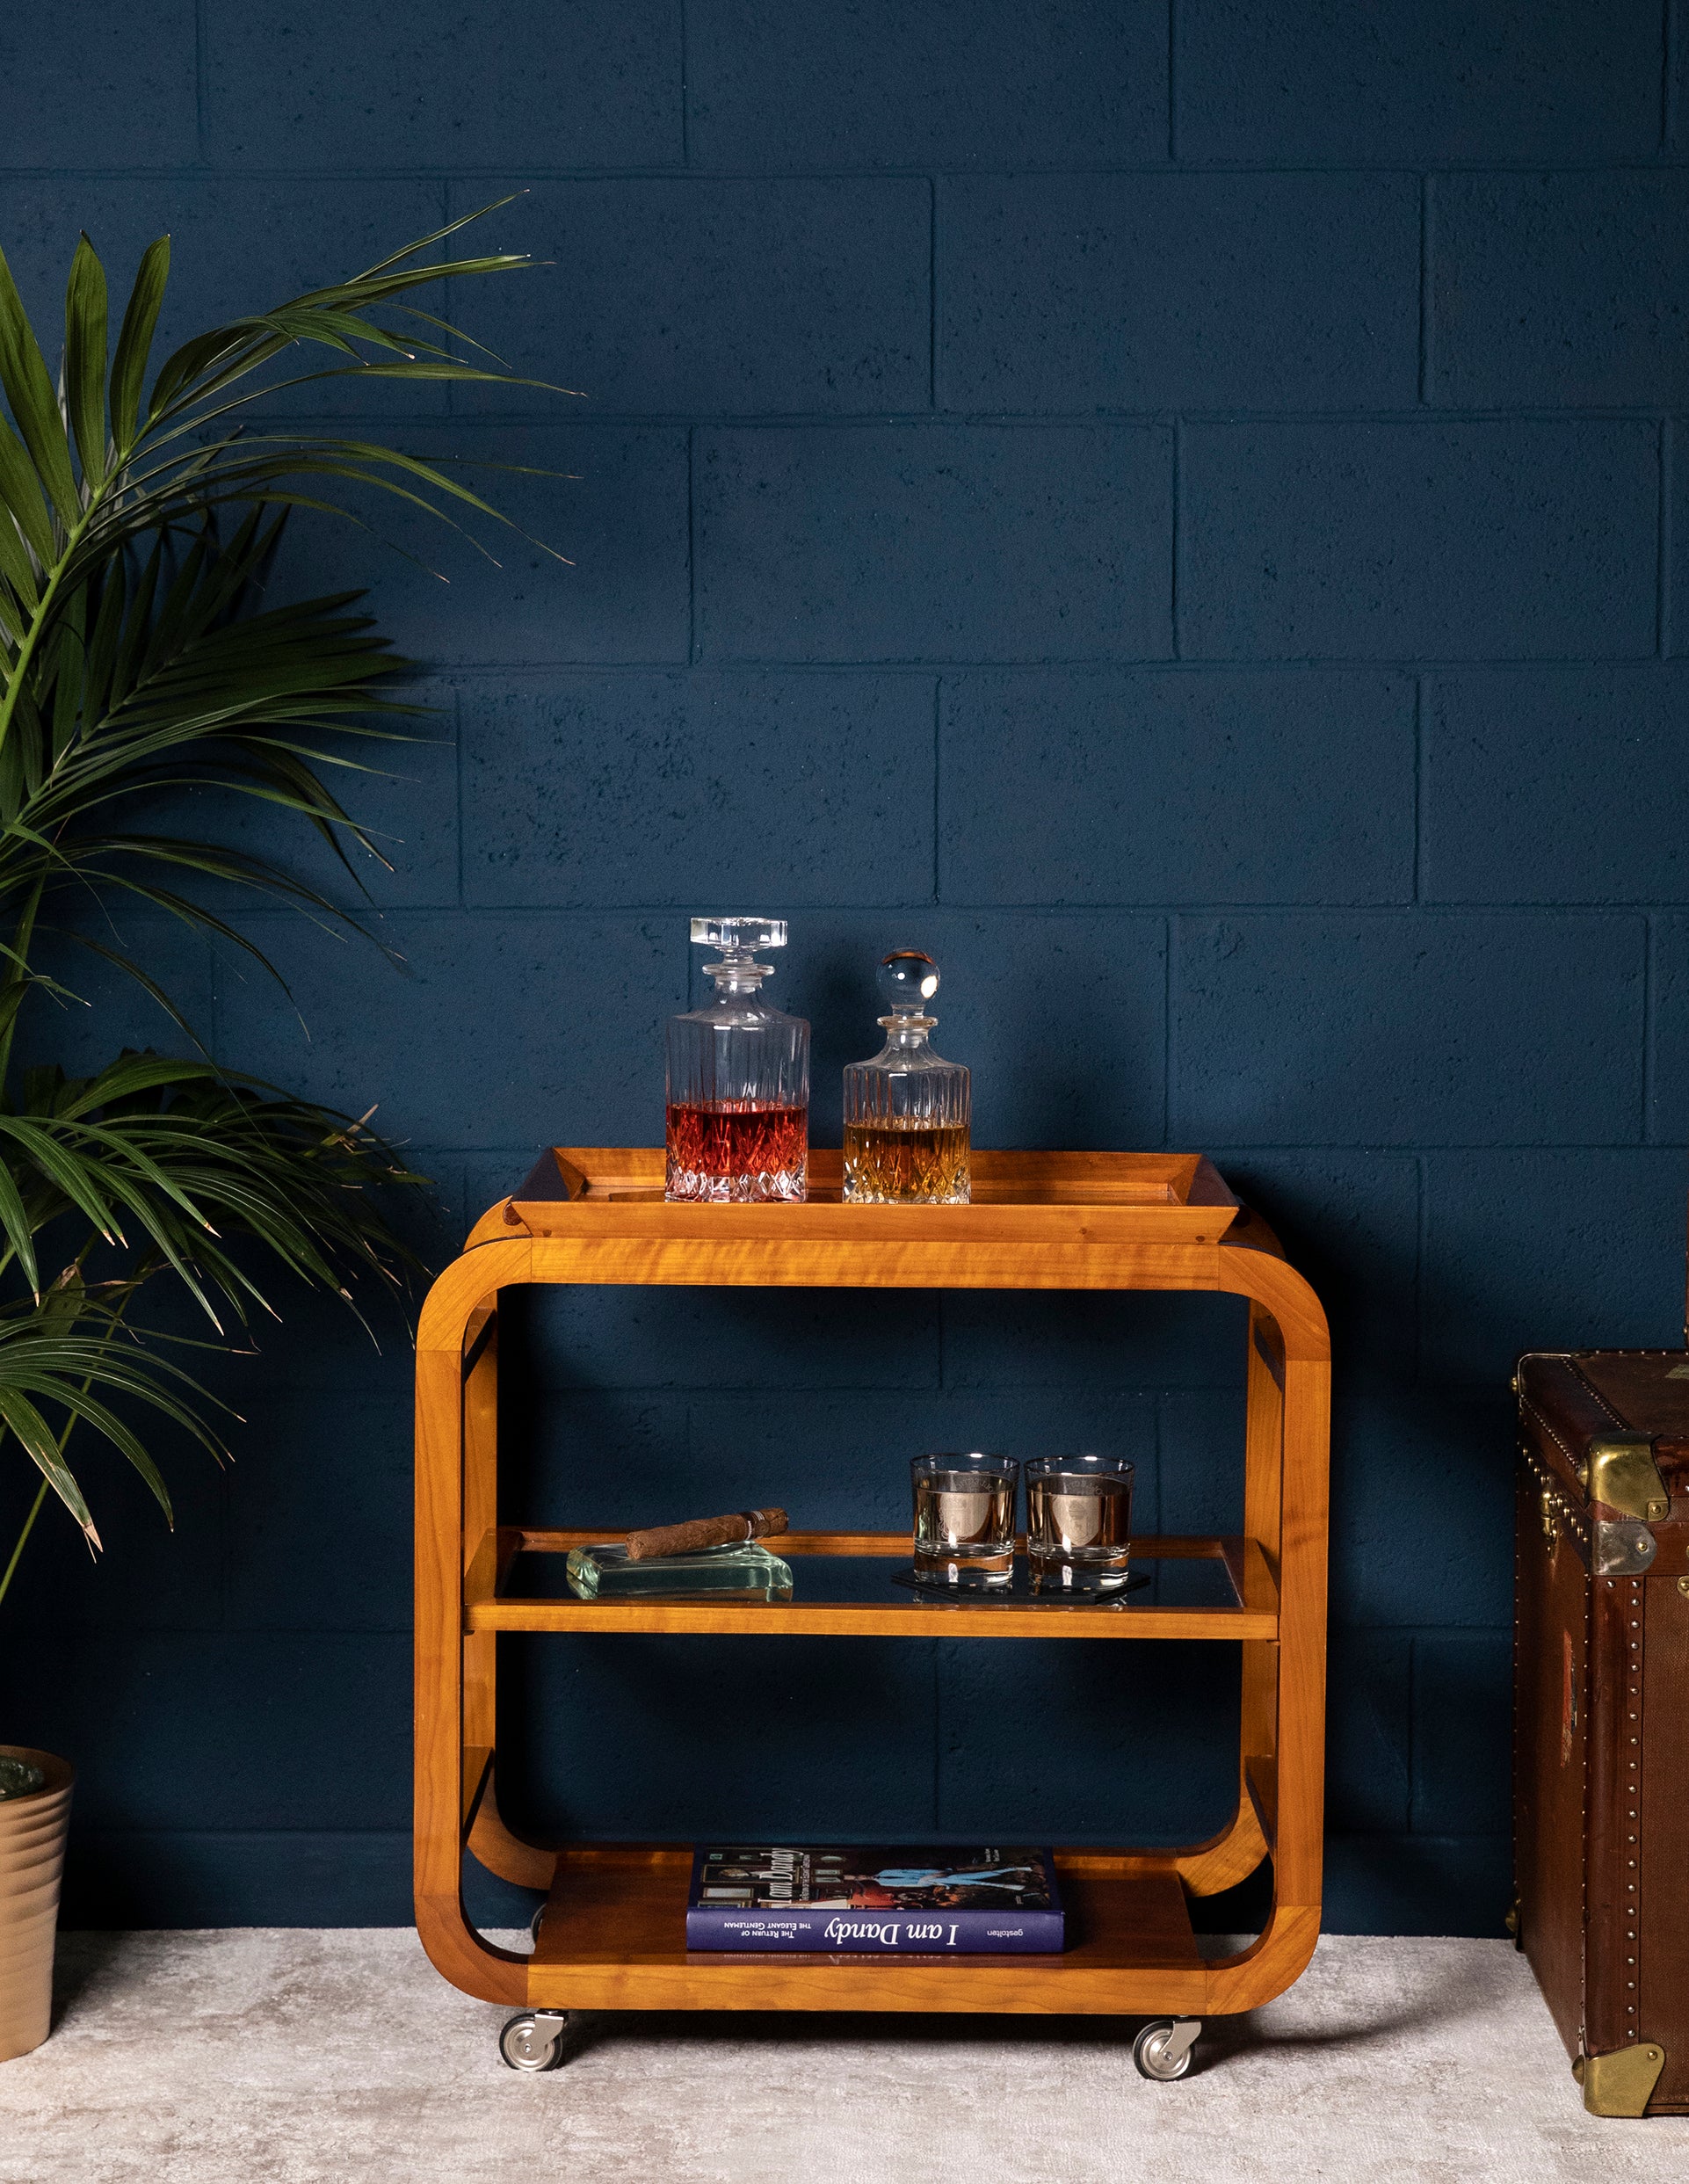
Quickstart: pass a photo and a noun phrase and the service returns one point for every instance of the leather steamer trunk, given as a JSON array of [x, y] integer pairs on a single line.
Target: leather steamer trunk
[[1601, 1716]]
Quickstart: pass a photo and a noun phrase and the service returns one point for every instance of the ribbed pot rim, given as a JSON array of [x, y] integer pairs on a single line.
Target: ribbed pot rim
[[60, 1775]]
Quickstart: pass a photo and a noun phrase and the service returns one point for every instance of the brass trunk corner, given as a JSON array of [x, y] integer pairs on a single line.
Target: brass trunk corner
[[1624, 1475], [1622, 2082]]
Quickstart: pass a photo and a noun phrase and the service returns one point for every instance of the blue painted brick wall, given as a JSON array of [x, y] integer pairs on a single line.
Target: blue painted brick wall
[[1179, 510]]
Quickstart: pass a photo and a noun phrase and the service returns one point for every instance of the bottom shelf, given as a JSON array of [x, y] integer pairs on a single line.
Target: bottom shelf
[[612, 1937]]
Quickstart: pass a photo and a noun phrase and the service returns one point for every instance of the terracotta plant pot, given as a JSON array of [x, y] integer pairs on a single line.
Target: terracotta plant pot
[[32, 1857]]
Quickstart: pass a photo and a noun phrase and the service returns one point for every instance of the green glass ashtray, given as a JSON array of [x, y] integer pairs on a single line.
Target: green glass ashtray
[[743, 1569], [18, 1778]]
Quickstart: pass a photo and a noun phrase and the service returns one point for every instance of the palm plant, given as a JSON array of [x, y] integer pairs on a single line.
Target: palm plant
[[138, 664]]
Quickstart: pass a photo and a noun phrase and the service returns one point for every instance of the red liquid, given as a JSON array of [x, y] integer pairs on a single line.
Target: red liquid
[[736, 1149]]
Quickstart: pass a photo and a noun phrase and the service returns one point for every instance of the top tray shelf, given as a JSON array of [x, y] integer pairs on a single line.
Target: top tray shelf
[[1163, 1198]]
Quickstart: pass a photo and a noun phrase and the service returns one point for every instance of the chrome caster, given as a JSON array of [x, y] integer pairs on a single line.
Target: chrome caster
[[533, 1925], [535, 2041], [1162, 2049]]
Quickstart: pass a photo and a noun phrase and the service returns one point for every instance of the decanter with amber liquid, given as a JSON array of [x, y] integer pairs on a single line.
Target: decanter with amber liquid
[[738, 1078], [907, 1112]]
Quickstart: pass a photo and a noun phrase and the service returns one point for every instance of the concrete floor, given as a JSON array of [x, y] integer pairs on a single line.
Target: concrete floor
[[282, 2057]]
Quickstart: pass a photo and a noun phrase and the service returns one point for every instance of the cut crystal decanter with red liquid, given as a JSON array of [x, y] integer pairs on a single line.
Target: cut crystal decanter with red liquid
[[738, 1077]]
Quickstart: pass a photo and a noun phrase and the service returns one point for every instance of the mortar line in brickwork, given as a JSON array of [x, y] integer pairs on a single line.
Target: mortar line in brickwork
[[938, 747], [1141, 664], [1176, 548], [691, 547], [448, 213], [457, 726], [1425, 287], [1139, 913], [931, 294], [1169, 932], [1648, 1034], [685, 121], [488, 421], [1172, 82], [1401, 911], [199, 81], [574, 668], [500, 177], [1418, 784], [1415, 1287], [1421, 1230], [1663, 560]]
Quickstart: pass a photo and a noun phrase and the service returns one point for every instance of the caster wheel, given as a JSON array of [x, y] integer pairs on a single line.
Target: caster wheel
[[1163, 2050], [533, 1925], [535, 2041]]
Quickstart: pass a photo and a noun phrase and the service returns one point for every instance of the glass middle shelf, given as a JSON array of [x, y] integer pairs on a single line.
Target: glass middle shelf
[[1199, 1588]]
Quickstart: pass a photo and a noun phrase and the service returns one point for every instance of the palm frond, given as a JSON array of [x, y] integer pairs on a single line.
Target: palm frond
[[143, 674], [173, 1166], [75, 1354], [168, 677]]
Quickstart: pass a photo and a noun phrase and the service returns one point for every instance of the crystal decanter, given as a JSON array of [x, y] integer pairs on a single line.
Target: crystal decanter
[[738, 1078], [906, 1112]]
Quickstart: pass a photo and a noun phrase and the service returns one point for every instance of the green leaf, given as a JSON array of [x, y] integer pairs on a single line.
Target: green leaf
[[41, 1445], [85, 358], [35, 406], [134, 341], [463, 219], [15, 1220], [21, 491]]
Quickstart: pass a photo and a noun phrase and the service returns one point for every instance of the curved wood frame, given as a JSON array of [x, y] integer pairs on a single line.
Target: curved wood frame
[[622, 1238]]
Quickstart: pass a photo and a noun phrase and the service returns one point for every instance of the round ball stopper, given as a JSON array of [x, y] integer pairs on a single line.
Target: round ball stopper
[[908, 981]]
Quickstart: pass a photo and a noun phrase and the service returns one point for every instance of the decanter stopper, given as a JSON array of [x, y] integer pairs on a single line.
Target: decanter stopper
[[908, 981], [738, 1077], [906, 1111], [738, 939]]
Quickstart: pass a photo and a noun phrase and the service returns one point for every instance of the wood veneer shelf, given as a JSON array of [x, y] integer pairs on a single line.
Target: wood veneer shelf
[[612, 1934], [612, 1937], [1163, 1198]]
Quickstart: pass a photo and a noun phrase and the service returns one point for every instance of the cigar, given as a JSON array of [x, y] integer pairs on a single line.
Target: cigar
[[686, 1539]]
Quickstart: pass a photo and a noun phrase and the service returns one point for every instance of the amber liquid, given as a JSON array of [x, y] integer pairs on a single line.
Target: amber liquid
[[964, 1528], [907, 1165], [1078, 1532], [736, 1149]]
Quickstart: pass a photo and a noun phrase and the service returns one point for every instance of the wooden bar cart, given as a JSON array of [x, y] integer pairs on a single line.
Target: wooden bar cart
[[612, 1935]]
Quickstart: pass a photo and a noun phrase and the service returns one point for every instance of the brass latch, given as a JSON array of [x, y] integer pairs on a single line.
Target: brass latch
[[1624, 1475]]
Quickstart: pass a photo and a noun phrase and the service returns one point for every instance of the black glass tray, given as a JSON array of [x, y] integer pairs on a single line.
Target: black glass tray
[[1194, 1581]]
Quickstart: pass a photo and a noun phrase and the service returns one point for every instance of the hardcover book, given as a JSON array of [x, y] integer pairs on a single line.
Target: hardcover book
[[875, 1901]]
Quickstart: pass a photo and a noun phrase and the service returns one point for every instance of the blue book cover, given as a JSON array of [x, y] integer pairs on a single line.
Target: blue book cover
[[875, 1901]]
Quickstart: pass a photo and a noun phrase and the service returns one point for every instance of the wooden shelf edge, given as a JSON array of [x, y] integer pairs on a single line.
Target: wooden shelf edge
[[1253, 1617], [848, 1620], [1237, 1554], [983, 1985]]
